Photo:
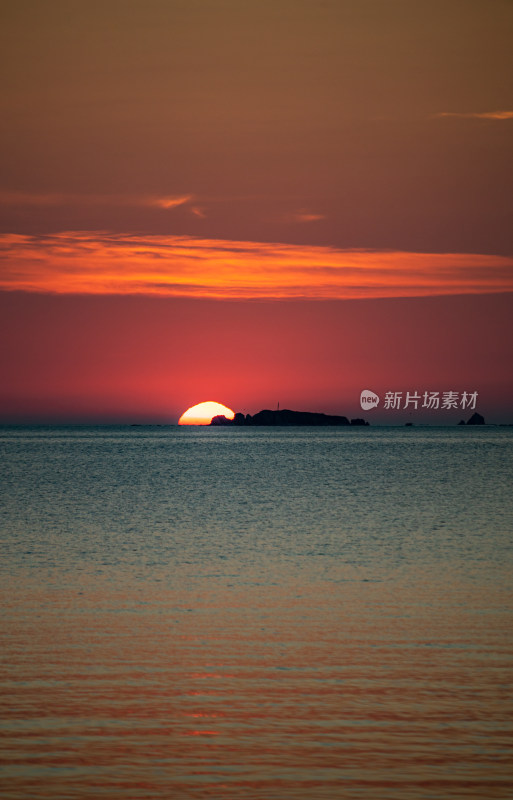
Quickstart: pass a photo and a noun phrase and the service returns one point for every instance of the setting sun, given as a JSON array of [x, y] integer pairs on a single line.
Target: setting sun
[[202, 413]]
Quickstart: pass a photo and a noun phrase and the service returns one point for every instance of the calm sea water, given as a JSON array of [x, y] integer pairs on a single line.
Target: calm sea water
[[256, 613]]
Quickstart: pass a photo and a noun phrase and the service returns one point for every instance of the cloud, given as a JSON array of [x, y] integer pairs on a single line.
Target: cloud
[[302, 216], [171, 201], [108, 263], [198, 212], [66, 199], [494, 115]]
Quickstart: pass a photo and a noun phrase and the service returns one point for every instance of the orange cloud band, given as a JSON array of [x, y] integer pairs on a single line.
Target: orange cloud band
[[55, 199], [109, 263], [496, 115]]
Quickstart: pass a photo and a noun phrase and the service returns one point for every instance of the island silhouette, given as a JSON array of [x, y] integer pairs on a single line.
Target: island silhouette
[[285, 417]]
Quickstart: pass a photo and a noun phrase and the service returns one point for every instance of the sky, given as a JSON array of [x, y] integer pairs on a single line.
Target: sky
[[255, 202]]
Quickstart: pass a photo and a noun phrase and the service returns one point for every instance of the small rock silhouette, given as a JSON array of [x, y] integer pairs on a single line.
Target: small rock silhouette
[[476, 419]]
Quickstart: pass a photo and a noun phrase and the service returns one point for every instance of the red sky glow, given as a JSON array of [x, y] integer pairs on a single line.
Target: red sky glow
[[263, 201]]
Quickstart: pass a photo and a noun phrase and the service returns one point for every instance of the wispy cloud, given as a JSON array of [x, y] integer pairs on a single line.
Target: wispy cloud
[[169, 201], [494, 115], [66, 199], [103, 263], [198, 212], [302, 216]]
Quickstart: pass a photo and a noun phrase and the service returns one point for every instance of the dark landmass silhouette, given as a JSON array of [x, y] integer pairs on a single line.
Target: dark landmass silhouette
[[286, 417], [475, 419]]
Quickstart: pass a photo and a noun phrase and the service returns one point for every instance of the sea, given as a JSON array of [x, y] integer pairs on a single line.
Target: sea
[[256, 613]]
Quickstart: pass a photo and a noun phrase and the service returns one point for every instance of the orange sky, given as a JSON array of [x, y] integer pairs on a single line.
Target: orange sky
[[178, 266], [340, 171]]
